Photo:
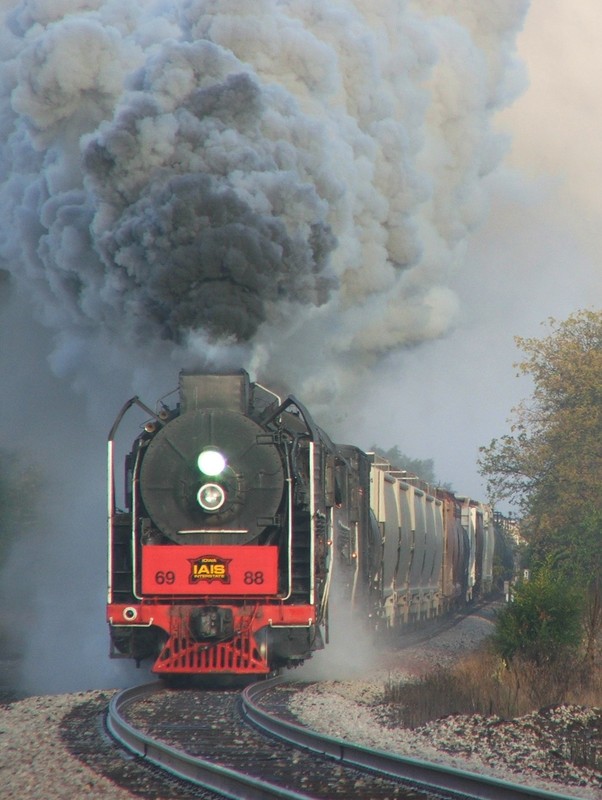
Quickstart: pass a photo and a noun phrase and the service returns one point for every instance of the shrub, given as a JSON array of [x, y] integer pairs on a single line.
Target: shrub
[[543, 623]]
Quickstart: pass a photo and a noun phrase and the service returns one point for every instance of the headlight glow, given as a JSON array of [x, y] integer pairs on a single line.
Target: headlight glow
[[211, 497], [211, 462]]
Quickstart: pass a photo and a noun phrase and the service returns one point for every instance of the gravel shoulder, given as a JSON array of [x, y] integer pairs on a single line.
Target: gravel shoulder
[[530, 751], [36, 762]]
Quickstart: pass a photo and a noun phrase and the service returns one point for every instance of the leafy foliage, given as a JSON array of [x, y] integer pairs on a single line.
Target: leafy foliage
[[550, 464], [424, 468], [543, 623]]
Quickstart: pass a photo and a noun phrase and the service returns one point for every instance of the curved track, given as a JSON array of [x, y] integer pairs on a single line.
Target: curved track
[[326, 767], [199, 771]]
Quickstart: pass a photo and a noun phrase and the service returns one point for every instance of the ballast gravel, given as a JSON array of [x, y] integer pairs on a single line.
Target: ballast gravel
[[533, 750], [36, 762]]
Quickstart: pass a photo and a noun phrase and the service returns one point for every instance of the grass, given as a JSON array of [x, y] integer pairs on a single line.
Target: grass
[[481, 683]]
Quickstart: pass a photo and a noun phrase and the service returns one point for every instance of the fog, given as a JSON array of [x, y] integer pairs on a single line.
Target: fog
[[383, 195]]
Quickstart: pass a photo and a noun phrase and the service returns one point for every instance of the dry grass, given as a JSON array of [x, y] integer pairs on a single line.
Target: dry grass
[[482, 684]]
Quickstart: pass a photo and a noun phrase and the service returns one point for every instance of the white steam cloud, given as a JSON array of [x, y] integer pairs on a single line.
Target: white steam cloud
[[284, 185]]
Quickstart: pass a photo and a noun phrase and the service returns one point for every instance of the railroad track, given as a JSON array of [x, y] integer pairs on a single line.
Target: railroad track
[[211, 739]]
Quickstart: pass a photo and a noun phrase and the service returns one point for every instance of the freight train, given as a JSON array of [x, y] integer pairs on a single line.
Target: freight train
[[240, 516]]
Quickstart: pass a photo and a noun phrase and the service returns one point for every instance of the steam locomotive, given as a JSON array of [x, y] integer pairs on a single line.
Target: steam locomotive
[[240, 516]]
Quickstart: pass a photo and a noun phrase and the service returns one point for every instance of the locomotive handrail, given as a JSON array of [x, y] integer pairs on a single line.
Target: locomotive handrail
[[289, 496], [111, 493], [135, 481], [269, 391], [312, 523], [135, 400], [292, 401], [126, 407]]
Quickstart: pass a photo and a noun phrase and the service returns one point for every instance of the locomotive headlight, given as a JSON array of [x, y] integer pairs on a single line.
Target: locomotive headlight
[[211, 497], [211, 462]]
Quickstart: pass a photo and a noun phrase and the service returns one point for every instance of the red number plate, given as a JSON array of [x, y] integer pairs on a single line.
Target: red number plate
[[220, 570]]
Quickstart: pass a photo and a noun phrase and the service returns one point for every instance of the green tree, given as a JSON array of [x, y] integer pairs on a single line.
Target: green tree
[[423, 468], [550, 464]]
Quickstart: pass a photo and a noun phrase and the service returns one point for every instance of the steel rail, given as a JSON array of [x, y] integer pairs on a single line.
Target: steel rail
[[434, 777], [228, 782]]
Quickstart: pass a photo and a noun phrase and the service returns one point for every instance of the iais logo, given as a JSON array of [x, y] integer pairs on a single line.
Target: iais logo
[[209, 569]]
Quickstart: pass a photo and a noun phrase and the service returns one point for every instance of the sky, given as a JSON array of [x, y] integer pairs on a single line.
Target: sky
[[537, 256], [415, 190]]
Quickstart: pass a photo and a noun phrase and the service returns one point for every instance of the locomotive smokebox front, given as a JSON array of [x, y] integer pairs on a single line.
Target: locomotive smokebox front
[[212, 475]]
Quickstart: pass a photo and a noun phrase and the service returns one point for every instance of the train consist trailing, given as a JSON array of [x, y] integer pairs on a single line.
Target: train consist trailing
[[239, 517]]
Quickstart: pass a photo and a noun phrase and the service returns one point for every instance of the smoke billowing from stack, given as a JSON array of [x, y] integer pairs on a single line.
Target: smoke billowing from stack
[[281, 185], [212, 173]]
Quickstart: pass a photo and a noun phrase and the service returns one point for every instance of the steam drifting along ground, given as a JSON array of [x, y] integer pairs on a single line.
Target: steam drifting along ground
[[284, 186]]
